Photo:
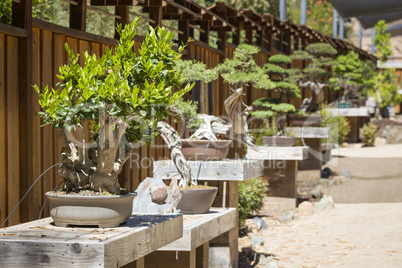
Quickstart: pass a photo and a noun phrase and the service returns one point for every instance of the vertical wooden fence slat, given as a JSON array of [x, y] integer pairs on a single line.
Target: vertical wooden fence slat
[[13, 184], [47, 131], [3, 130], [34, 125]]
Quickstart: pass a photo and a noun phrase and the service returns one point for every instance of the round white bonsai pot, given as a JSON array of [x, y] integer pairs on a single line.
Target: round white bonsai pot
[[103, 211]]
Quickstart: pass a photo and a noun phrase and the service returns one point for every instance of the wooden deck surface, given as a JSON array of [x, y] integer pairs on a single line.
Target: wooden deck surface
[[41, 243]]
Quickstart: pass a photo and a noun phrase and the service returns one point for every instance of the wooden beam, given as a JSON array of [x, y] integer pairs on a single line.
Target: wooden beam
[[78, 15]]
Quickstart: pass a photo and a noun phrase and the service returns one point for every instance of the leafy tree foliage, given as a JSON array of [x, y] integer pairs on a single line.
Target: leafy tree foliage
[[122, 95], [385, 90], [286, 90], [351, 75]]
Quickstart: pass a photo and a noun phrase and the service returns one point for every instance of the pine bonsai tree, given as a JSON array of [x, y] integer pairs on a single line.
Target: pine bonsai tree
[[284, 87], [316, 74], [351, 75], [242, 70]]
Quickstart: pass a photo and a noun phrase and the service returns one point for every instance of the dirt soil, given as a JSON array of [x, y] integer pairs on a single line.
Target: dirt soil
[[363, 229]]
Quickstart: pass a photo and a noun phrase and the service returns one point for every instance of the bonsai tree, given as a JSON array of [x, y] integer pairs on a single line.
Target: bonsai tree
[[350, 74], [284, 87], [315, 75], [385, 89], [120, 96]]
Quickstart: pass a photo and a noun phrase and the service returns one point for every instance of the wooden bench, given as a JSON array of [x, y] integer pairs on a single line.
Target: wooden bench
[[192, 250], [41, 243], [225, 174], [281, 166], [311, 137]]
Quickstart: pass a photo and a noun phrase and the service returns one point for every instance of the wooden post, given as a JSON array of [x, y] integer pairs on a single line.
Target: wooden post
[[237, 35], [222, 42], [287, 38], [155, 13], [204, 37], [249, 36], [121, 11], [78, 15], [184, 27]]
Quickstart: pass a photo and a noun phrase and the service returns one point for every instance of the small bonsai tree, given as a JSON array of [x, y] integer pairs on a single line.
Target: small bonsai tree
[[121, 96], [284, 87], [385, 89], [316, 74], [350, 74]]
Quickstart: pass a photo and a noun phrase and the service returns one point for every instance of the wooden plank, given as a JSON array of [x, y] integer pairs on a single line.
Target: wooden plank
[[35, 137], [59, 59], [3, 130], [277, 153], [40, 243], [201, 228], [224, 170], [47, 131], [308, 132], [13, 146]]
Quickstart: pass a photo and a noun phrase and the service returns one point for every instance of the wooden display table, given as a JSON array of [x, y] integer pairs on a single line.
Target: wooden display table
[[40, 243], [224, 174], [280, 166], [312, 138], [357, 118], [193, 248]]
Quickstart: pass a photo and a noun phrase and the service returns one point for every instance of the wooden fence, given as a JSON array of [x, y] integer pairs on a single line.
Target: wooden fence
[[27, 150]]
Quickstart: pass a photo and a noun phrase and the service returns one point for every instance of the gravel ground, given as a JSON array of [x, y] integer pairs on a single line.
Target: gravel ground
[[363, 229], [349, 235]]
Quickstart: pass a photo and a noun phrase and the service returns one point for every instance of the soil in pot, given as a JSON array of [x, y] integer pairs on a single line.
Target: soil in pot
[[197, 199], [279, 141], [195, 149], [89, 208]]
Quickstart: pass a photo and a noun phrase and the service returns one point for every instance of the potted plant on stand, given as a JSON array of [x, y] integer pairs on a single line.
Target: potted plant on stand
[[119, 99], [353, 76], [315, 77], [277, 106]]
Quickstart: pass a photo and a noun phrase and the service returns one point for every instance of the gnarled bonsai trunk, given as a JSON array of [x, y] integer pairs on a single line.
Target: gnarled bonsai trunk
[[96, 166], [316, 88]]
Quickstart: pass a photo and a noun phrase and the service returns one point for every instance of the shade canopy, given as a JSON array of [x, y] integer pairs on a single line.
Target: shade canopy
[[369, 12]]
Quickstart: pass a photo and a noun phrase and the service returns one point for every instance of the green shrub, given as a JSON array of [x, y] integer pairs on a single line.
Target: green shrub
[[251, 196], [367, 134], [339, 126]]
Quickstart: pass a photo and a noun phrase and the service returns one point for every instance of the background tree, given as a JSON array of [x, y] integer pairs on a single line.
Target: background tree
[[350, 75], [284, 87], [319, 15], [315, 76], [385, 90]]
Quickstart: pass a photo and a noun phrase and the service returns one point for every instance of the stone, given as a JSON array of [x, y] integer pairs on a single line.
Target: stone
[[325, 203], [159, 193], [305, 209], [287, 216], [271, 264], [380, 141], [143, 203], [346, 174], [335, 173], [338, 180], [257, 241], [260, 223]]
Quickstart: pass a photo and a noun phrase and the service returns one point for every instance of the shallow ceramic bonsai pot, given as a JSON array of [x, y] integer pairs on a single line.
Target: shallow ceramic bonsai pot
[[194, 149], [197, 200], [279, 141], [313, 120], [103, 211]]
